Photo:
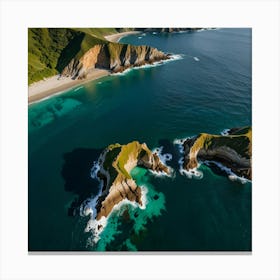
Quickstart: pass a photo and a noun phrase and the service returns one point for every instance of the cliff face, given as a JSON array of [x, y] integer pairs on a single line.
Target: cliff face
[[116, 162], [233, 151], [114, 57]]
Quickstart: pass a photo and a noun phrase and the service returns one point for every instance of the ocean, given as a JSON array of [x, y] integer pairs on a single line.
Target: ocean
[[206, 88]]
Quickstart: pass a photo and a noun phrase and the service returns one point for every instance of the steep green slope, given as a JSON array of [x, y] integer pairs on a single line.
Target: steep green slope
[[233, 150], [51, 49]]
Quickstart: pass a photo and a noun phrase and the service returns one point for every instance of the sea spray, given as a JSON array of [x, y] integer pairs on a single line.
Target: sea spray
[[198, 174], [191, 173], [173, 57], [164, 158], [153, 203], [225, 132], [104, 230]]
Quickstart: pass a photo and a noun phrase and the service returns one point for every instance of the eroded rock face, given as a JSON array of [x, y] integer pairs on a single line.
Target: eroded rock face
[[116, 162], [114, 57], [233, 151]]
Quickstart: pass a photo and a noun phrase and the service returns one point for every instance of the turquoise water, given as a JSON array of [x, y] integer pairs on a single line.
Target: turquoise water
[[207, 90]]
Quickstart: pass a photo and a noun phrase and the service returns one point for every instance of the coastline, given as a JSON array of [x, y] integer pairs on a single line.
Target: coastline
[[52, 85], [116, 37]]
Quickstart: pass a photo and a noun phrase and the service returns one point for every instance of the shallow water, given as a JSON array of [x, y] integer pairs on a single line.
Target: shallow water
[[208, 90]]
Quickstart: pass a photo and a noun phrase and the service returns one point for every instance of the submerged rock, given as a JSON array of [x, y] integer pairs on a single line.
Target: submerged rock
[[116, 163], [234, 150]]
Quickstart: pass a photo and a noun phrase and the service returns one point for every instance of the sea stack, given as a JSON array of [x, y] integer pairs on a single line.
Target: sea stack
[[116, 162]]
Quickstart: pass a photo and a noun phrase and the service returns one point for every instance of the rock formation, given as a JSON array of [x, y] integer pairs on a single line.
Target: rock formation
[[116, 162], [233, 150], [115, 57]]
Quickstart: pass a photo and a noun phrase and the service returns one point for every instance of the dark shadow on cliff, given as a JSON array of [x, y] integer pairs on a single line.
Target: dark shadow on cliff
[[76, 174], [69, 52]]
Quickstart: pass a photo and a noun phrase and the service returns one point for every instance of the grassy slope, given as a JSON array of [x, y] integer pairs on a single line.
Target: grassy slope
[[51, 49], [240, 141], [118, 155]]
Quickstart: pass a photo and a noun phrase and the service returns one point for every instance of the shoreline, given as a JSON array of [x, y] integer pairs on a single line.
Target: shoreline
[[116, 37], [53, 85]]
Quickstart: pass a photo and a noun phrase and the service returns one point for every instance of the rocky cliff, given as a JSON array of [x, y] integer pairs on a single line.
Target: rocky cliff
[[116, 162], [233, 150], [114, 57]]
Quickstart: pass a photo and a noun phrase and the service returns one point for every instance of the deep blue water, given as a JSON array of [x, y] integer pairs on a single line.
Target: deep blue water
[[207, 90]]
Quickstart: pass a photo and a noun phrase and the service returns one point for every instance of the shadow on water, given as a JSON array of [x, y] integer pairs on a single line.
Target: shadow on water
[[76, 174], [170, 148]]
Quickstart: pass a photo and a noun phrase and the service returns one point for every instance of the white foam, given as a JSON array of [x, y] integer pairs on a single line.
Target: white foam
[[88, 208], [163, 158], [173, 57], [94, 170], [196, 58], [231, 175], [225, 132], [176, 57], [205, 29], [191, 173], [78, 88], [154, 33], [140, 37]]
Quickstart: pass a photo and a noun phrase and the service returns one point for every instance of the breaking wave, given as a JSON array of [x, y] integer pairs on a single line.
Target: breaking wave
[[164, 158], [104, 230], [173, 57], [225, 132], [191, 173]]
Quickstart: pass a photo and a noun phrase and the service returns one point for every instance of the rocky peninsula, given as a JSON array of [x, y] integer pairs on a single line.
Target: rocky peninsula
[[116, 162], [62, 58], [114, 57], [233, 150]]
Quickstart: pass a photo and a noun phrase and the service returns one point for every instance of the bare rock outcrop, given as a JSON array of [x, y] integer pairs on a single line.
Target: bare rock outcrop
[[116, 162], [233, 150], [114, 57]]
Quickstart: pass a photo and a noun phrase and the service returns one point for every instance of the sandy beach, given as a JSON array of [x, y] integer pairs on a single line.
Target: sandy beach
[[116, 37], [54, 84]]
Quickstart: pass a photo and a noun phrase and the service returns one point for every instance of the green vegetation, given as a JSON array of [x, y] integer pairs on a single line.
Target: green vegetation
[[239, 140], [118, 155], [127, 151], [51, 49], [98, 32]]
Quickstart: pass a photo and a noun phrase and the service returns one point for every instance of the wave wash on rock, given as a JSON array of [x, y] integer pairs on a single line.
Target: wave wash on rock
[[234, 150], [114, 166], [115, 57]]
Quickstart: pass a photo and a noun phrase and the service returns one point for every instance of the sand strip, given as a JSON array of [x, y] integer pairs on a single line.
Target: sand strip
[[52, 85], [116, 37]]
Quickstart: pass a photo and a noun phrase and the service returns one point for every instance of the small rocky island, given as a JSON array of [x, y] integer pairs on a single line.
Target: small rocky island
[[116, 162], [233, 150]]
